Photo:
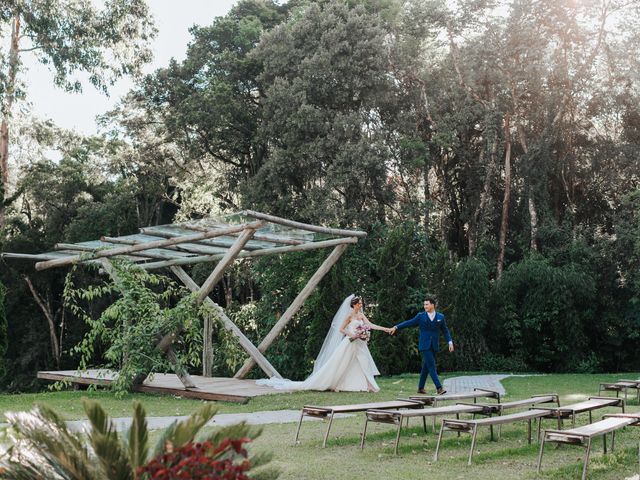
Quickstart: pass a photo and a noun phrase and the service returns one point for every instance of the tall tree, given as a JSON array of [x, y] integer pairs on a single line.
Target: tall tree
[[70, 36]]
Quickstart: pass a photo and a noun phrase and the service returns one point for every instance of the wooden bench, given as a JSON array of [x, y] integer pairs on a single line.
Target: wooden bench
[[471, 426], [583, 436], [397, 417], [621, 386], [500, 408], [434, 400], [330, 411], [592, 403]]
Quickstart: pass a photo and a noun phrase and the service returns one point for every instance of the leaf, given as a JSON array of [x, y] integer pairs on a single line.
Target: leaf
[[106, 443], [138, 437]]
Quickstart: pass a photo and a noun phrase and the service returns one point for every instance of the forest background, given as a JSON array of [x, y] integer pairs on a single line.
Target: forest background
[[489, 148]]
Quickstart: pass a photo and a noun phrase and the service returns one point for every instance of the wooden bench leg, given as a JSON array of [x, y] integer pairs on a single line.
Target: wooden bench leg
[[539, 428], [586, 460], [613, 440], [604, 442], [541, 451], [529, 431], [424, 423], [435, 457], [398, 435], [364, 432], [295, 440], [473, 442], [326, 435]]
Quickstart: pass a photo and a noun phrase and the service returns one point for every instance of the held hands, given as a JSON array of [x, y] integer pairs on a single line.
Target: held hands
[[450, 347], [392, 330]]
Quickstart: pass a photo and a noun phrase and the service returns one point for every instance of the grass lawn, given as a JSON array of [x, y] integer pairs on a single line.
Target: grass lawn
[[508, 458]]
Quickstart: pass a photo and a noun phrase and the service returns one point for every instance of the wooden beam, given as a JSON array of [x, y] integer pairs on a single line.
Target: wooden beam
[[145, 246], [262, 237], [181, 248], [224, 262], [151, 231], [86, 248], [227, 323], [165, 348], [304, 226], [294, 307], [255, 253]]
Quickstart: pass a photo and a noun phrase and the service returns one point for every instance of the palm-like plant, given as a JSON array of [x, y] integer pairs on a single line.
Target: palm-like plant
[[41, 445]]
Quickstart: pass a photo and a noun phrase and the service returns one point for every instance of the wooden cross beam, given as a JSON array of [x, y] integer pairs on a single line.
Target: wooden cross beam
[[244, 342], [294, 307], [215, 277], [225, 261]]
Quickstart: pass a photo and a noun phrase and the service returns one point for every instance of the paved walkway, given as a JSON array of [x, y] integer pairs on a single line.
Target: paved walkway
[[452, 385], [221, 420], [466, 384]]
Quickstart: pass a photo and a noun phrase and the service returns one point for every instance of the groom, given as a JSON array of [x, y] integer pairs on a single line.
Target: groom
[[430, 323]]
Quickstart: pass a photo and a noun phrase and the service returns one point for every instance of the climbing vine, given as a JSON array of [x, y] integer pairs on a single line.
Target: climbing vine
[[147, 308]]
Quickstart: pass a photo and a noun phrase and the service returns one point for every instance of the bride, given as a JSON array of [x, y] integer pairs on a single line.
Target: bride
[[344, 362]]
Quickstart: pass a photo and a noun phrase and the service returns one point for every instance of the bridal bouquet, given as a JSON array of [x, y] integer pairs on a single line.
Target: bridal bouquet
[[362, 332]]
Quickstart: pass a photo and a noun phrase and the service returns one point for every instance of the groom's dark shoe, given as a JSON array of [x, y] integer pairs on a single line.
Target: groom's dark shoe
[[421, 391], [441, 391]]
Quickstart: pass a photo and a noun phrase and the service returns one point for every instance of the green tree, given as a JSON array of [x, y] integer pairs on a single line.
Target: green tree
[[325, 74], [70, 37]]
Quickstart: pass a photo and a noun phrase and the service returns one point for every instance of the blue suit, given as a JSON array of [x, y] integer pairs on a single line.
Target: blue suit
[[428, 343]]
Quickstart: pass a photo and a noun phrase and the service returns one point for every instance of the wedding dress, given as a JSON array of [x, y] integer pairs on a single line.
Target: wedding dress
[[343, 364]]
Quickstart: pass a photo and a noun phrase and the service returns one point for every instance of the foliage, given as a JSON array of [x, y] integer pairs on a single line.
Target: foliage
[[392, 117], [542, 316], [132, 325], [4, 339], [470, 293], [43, 447]]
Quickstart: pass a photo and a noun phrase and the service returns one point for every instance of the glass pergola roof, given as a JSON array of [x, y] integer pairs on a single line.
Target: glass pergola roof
[[196, 241]]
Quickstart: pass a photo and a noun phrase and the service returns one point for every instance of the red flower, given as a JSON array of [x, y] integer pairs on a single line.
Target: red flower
[[200, 461]]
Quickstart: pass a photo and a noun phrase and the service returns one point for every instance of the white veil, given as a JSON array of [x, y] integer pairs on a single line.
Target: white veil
[[333, 338]]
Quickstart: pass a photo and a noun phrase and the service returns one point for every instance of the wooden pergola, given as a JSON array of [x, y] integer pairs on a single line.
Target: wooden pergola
[[245, 234]]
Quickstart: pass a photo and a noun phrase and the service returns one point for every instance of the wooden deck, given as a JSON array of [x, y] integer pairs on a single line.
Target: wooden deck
[[208, 388]]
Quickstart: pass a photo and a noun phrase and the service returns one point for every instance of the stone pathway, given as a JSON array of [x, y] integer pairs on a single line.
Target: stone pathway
[[468, 383], [221, 420]]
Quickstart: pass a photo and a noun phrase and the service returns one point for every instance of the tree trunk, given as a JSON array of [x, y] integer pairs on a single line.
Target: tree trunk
[[474, 226], [533, 219], [45, 306], [504, 222], [7, 106]]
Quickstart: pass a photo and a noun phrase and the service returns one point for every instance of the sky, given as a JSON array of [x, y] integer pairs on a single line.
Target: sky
[[78, 111]]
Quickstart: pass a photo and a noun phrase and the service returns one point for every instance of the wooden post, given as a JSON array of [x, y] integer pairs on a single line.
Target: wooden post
[[244, 342], [166, 348], [145, 246], [228, 258], [294, 307]]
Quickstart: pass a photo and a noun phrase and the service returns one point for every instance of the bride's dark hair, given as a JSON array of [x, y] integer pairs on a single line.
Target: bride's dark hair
[[355, 301]]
